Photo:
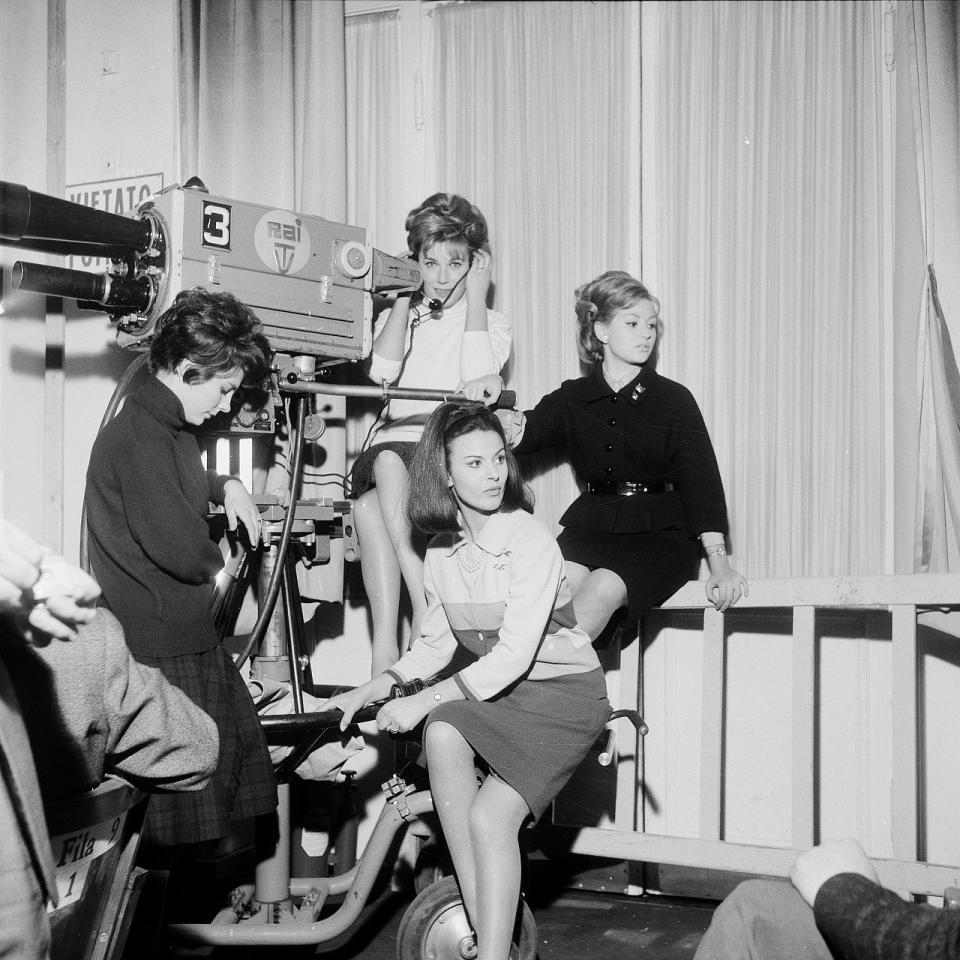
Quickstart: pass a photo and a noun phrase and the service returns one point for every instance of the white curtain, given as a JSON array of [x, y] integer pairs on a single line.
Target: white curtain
[[263, 120], [373, 152], [373, 140], [763, 236], [534, 124], [759, 144], [928, 77], [262, 101]]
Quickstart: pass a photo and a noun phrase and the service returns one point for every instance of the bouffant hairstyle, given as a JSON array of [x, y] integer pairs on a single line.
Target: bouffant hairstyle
[[431, 503], [215, 332], [598, 300], [445, 217]]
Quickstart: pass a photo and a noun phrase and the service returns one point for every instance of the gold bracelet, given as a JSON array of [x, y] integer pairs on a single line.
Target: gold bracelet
[[717, 552]]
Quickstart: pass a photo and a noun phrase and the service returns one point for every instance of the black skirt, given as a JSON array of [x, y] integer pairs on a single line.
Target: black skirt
[[244, 784], [361, 473], [652, 565], [534, 735]]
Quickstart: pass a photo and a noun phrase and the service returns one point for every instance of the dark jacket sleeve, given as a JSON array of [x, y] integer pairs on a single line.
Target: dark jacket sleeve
[[695, 470], [545, 425], [861, 921]]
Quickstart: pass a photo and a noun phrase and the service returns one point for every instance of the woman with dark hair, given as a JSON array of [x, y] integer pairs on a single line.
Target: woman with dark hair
[[438, 338], [532, 702], [146, 503], [653, 495]]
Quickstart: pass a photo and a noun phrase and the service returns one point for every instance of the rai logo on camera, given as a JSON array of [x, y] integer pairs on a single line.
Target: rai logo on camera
[[282, 242]]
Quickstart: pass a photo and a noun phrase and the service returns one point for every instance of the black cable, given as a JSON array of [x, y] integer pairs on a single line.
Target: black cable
[[281, 458], [273, 588], [314, 479], [376, 420]]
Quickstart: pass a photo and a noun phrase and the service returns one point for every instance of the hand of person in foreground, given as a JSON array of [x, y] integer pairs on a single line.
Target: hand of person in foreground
[[54, 596], [814, 868]]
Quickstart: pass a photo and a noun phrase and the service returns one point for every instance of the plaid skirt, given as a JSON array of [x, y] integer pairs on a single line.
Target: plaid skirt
[[243, 785]]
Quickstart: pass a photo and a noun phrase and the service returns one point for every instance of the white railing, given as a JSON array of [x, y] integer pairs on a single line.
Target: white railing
[[902, 597]]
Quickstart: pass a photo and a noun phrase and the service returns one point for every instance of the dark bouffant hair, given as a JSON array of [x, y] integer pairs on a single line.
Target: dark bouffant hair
[[445, 217], [598, 301], [215, 332], [431, 504]]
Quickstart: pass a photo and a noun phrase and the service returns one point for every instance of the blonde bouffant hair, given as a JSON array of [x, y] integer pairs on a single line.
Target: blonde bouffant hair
[[598, 300]]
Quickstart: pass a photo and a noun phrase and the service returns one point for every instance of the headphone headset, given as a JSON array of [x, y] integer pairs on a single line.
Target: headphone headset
[[434, 305]]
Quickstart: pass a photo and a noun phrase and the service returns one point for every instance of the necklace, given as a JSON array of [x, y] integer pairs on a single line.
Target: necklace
[[615, 383], [470, 557]]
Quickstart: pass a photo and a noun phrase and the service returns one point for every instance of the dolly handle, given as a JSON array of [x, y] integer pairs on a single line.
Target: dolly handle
[[609, 751]]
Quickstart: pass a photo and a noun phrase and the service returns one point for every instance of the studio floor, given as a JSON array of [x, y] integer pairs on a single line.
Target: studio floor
[[571, 924]]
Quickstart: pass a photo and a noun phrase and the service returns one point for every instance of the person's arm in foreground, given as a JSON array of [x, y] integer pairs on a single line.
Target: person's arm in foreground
[[859, 919], [54, 596]]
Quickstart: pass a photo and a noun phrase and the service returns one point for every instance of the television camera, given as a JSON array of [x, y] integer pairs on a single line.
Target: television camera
[[309, 280]]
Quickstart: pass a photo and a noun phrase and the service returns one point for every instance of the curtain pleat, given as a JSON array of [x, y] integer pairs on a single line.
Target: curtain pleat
[[764, 242], [263, 101], [532, 117], [937, 524], [263, 120], [373, 154]]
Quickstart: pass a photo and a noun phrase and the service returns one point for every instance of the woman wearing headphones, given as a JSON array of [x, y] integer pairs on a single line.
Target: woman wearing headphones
[[438, 338]]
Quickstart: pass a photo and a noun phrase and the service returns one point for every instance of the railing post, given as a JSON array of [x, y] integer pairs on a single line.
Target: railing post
[[904, 826], [803, 762], [711, 720]]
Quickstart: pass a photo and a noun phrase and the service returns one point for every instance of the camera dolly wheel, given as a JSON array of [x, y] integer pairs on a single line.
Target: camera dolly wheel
[[435, 927]]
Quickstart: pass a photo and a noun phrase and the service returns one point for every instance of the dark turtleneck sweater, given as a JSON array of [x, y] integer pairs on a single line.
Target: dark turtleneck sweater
[[147, 498]]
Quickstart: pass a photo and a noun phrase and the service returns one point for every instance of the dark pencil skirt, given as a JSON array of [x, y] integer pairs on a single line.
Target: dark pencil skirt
[[535, 734], [652, 565], [361, 473], [243, 785]]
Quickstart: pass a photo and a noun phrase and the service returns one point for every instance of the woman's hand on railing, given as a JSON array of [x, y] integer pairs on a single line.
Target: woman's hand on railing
[[725, 586]]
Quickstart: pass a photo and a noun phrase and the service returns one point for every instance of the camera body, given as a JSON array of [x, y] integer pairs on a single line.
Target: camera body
[[309, 280]]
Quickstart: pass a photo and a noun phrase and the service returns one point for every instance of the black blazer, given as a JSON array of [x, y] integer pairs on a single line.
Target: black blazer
[[650, 430]]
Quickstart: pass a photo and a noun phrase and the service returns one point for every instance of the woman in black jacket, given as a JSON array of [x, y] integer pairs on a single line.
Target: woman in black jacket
[[652, 494]]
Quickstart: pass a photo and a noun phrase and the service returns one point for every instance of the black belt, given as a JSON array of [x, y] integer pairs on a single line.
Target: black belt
[[628, 488]]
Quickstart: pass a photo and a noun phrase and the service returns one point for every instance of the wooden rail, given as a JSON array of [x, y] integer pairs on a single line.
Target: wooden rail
[[902, 597]]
